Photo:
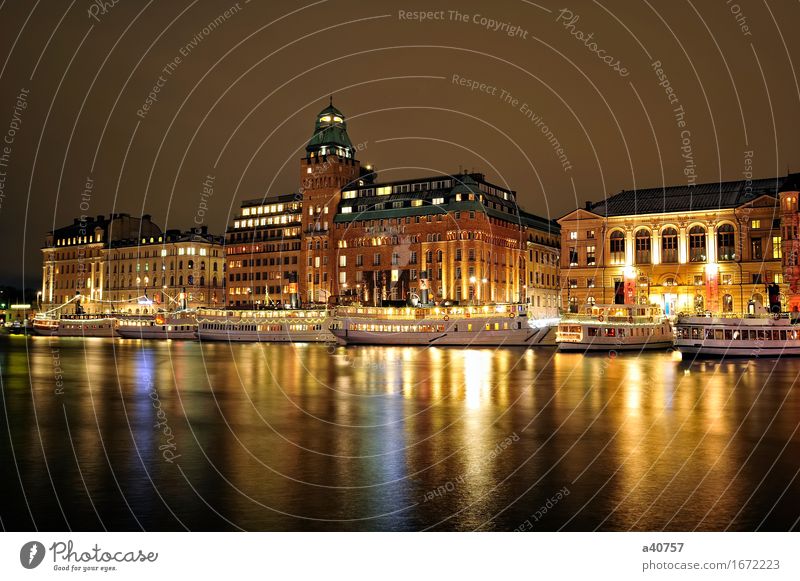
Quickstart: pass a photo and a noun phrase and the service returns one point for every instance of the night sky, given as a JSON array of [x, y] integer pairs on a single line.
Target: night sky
[[494, 87]]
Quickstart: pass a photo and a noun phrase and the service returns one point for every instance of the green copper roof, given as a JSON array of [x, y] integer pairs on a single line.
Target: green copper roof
[[330, 131]]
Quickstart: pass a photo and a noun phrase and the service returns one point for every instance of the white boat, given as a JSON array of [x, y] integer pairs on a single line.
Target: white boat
[[178, 325], [755, 335], [272, 326], [488, 326], [615, 328], [94, 325]]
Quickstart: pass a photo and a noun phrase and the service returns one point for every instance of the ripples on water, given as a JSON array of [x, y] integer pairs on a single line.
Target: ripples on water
[[315, 437]]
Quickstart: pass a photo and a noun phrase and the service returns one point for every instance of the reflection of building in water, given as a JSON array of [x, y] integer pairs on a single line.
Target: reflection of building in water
[[711, 247]]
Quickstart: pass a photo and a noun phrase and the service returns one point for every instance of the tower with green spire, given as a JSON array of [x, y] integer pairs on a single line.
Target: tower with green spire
[[328, 166], [330, 134]]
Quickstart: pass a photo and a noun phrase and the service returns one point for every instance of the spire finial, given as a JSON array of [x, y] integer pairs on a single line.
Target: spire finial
[[331, 100]]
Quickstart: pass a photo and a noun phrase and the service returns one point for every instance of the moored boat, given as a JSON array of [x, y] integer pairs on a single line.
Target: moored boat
[[272, 326], [83, 325], [755, 335], [177, 325], [488, 325], [615, 328]]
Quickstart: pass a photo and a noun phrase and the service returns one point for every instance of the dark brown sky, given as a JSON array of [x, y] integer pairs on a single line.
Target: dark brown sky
[[240, 105]]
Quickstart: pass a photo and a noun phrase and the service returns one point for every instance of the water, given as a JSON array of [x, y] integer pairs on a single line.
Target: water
[[177, 435]]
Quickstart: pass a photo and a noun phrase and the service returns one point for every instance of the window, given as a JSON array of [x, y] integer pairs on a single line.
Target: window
[[342, 260], [756, 252], [573, 235], [376, 259], [725, 243], [458, 254], [590, 234], [755, 224], [437, 201], [590, 283], [573, 256], [669, 245], [590, 255], [359, 260], [697, 244], [617, 247], [757, 279], [727, 304], [777, 252], [698, 279], [777, 278], [727, 279], [642, 241], [669, 282], [573, 283]]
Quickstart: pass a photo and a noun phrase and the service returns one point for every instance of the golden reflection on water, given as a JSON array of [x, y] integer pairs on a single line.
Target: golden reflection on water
[[320, 432]]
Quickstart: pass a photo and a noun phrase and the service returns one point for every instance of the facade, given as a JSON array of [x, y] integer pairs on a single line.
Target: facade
[[707, 248], [263, 252], [128, 264], [439, 238]]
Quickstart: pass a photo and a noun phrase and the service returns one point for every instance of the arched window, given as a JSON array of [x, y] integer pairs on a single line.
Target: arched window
[[590, 300], [697, 244], [642, 247], [180, 280], [202, 281], [727, 304], [190, 264], [438, 256], [617, 249], [669, 245], [726, 249]]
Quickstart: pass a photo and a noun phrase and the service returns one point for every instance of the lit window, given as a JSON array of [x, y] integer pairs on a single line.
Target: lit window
[[573, 235], [438, 201], [383, 191], [347, 209], [776, 247], [755, 224], [163, 252]]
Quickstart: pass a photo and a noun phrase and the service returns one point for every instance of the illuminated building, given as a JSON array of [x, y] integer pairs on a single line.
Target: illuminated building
[[127, 264], [450, 237], [710, 247]]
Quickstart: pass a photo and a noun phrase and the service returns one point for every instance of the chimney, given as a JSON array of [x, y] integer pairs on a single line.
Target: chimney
[[588, 204]]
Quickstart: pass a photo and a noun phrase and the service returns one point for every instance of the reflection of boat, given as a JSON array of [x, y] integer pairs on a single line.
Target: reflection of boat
[[755, 335], [273, 326], [492, 326], [615, 328], [177, 325], [76, 325]]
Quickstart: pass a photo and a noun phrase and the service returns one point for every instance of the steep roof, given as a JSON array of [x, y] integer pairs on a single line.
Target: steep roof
[[330, 130], [685, 198]]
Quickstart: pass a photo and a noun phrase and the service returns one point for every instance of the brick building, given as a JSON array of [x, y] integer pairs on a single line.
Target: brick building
[[445, 237]]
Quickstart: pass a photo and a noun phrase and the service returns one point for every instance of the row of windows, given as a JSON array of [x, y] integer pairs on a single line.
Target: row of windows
[[726, 247]]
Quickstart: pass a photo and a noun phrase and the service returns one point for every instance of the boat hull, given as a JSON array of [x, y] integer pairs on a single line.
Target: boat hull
[[157, 332], [516, 338], [598, 346]]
